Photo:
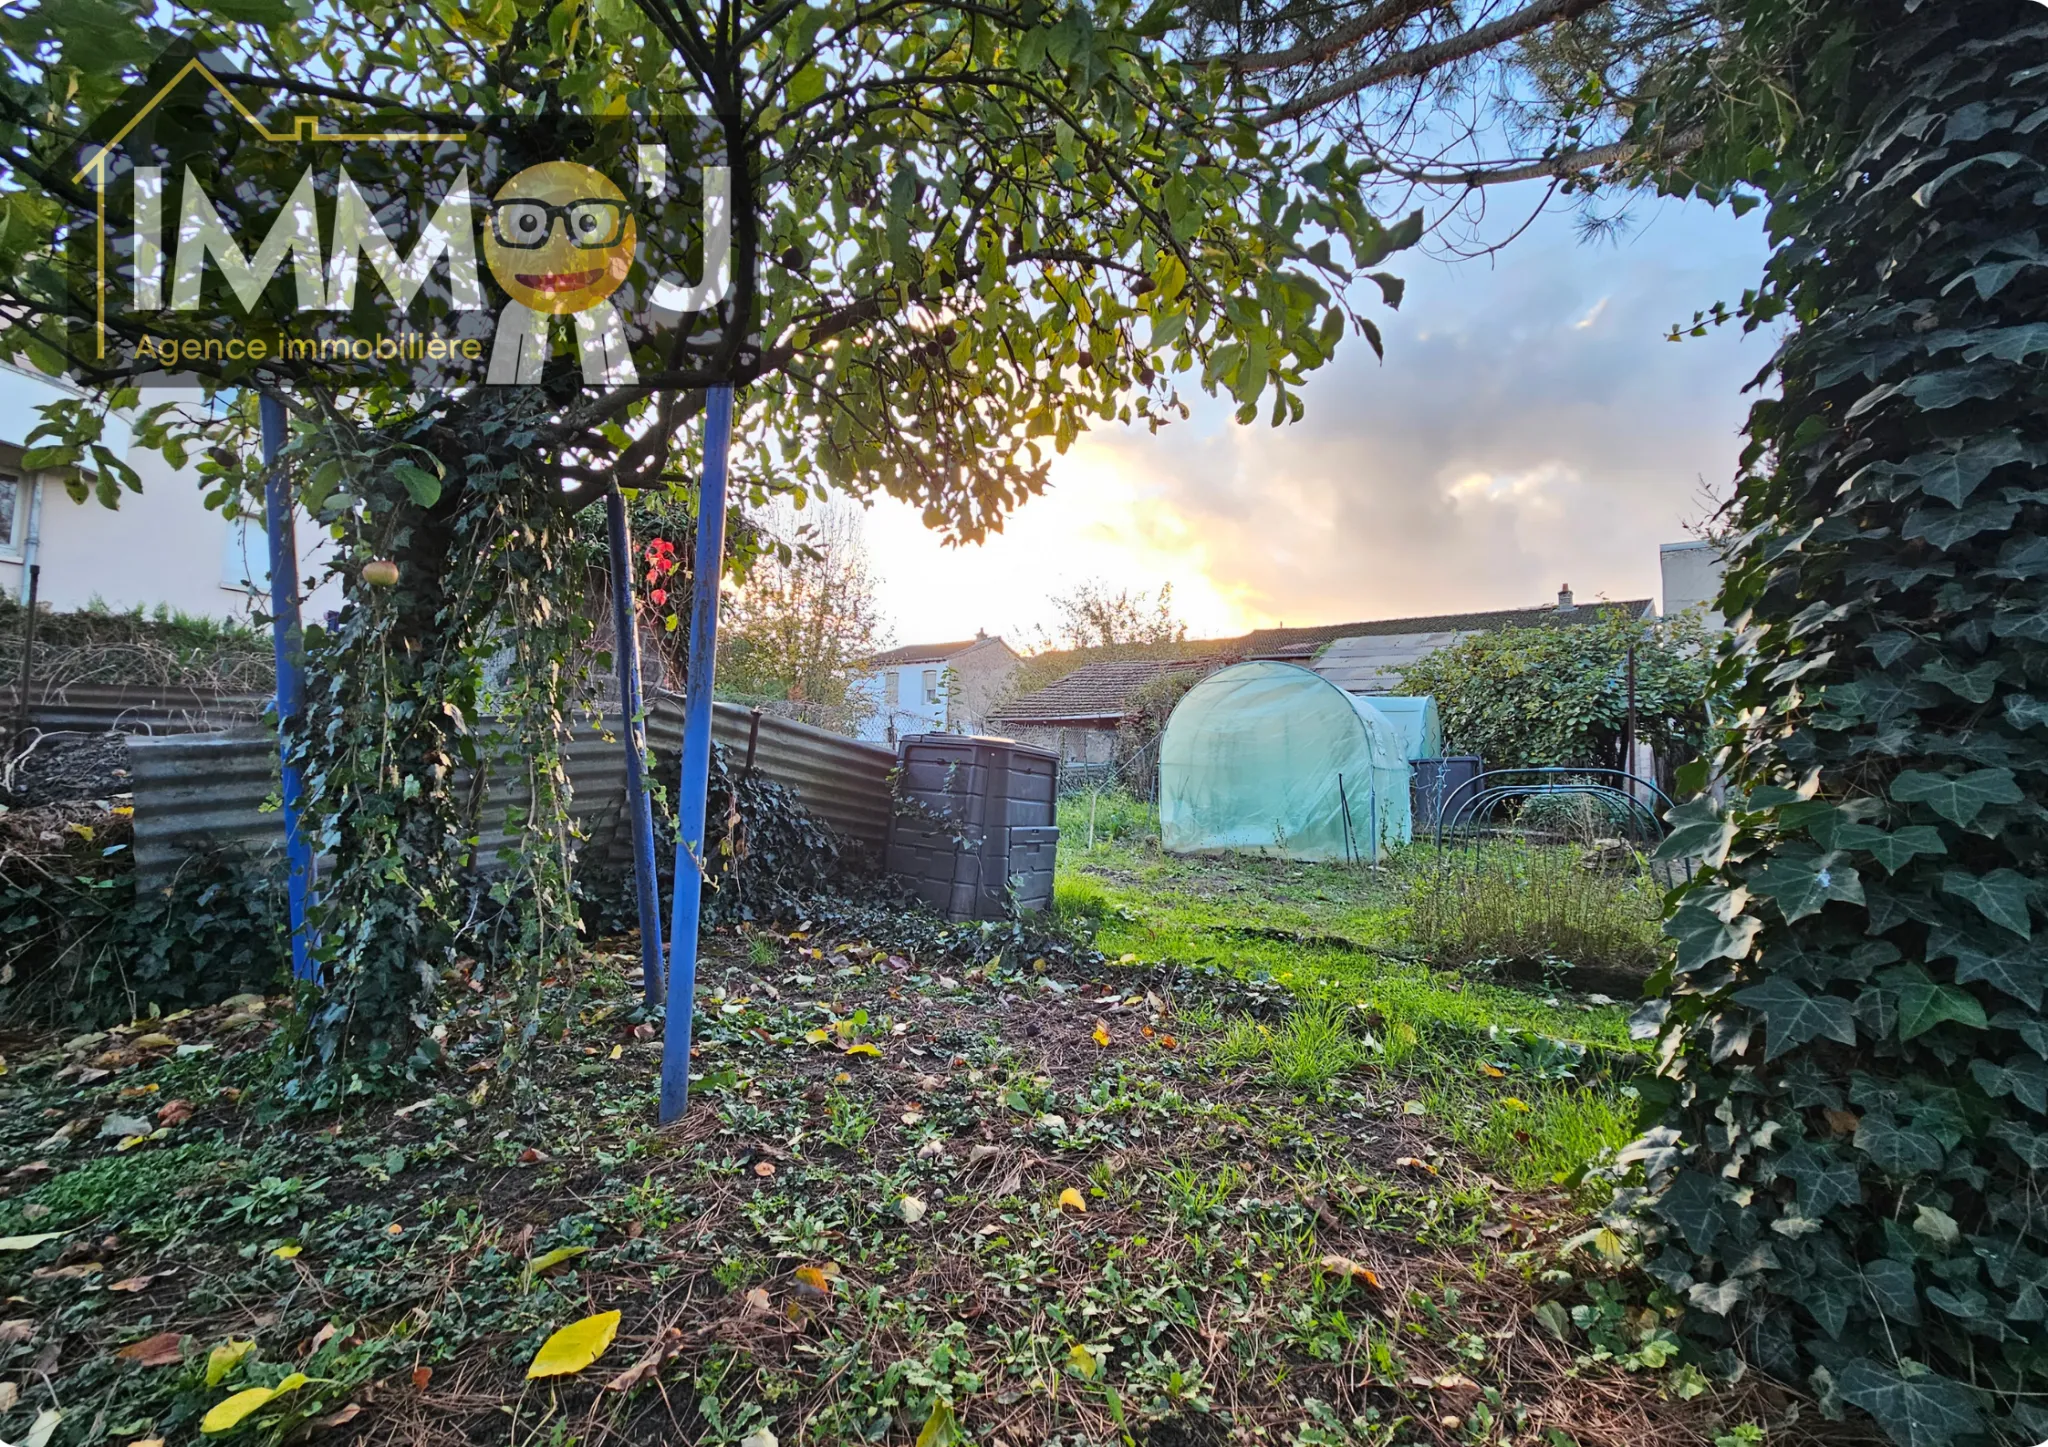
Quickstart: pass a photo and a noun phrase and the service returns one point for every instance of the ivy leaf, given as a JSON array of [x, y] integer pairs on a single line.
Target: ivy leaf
[[1925, 1003], [1825, 1182], [2018, 970], [1891, 850], [1703, 936], [2030, 1146], [2027, 1025], [1891, 1285], [1958, 798], [2023, 1079], [1692, 1203], [1923, 1411], [1953, 476], [1792, 1017], [2001, 896], [1899, 1151], [1698, 831], [1801, 882]]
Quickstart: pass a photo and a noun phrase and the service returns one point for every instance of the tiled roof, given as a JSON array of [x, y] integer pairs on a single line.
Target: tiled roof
[[1095, 691], [1303, 642], [923, 653]]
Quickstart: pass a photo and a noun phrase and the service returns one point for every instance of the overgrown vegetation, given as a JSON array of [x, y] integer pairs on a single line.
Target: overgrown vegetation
[[81, 945], [942, 1188], [1848, 1183], [1558, 694], [1576, 912], [103, 645]]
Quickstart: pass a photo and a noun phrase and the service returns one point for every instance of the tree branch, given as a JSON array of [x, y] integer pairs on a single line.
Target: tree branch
[[1562, 166], [1424, 58], [1386, 16]]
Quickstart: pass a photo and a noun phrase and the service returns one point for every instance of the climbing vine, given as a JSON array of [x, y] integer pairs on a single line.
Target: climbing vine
[[459, 670], [1847, 1184]]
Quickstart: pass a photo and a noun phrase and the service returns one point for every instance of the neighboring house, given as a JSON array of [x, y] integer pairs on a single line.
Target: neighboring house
[[1692, 578], [1368, 657], [1077, 717], [929, 688], [161, 548]]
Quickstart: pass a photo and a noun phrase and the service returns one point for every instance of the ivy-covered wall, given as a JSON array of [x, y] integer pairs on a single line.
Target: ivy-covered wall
[[1849, 1184]]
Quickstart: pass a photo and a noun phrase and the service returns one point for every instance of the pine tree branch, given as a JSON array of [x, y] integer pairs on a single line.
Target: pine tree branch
[[1423, 59]]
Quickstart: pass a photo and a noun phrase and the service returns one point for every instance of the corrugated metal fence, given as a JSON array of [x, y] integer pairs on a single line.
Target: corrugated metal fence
[[129, 707], [201, 793]]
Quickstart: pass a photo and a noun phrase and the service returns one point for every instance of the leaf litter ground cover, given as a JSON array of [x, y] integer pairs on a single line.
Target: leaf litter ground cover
[[916, 1198]]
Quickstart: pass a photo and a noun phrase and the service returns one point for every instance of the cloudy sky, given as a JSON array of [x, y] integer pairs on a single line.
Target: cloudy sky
[[1530, 427]]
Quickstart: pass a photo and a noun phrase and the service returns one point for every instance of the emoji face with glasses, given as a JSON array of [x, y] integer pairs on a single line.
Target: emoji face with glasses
[[560, 238]]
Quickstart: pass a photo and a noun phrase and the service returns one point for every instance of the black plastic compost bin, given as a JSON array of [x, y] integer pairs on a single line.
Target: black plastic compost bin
[[973, 831], [1433, 782]]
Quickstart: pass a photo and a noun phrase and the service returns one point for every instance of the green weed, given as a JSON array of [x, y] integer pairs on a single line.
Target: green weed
[[1536, 904], [1314, 1045]]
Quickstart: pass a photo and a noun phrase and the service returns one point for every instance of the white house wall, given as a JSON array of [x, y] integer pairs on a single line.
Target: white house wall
[[160, 547]]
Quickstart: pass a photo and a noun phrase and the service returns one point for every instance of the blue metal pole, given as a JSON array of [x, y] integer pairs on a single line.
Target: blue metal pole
[[633, 723], [691, 797], [287, 642]]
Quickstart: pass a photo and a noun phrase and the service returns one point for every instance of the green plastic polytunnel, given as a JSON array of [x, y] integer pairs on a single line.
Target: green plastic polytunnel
[[1270, 758]]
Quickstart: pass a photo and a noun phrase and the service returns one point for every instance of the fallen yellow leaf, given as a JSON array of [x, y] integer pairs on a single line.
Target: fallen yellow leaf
[[862, 1049], [1515, 1103], [231, 1412], [549, 1260], [617, 1051], [224, 1359], [1083, 1361], [1101, 1036], [1072, 1200], [286, 1253], [575, 1346], [1492, 1072]]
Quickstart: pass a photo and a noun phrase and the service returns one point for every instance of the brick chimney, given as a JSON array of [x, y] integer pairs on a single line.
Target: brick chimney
[[1564, 599]]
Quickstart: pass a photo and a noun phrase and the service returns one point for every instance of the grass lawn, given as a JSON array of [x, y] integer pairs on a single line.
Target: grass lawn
[[928, 1197]]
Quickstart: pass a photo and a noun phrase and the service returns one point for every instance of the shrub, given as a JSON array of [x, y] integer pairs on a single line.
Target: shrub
[[1535, 904]]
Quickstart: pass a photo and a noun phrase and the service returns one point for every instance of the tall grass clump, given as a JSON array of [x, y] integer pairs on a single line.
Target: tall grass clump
[[1507, 901], [1117, 817]]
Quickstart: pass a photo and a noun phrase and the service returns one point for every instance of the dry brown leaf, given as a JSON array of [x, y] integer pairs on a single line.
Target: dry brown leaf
[[764, 1168], [18, 1330], [757, 1300], [420, 1377], [68, 1273], [333, 1419], [9, 1395], [174, 1112], [162, 1350], [131, 1283], [1416, 1163], [665, 1346], [1350, 1270]]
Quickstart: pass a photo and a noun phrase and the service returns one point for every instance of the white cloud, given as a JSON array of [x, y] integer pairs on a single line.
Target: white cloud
[[1506, 445]]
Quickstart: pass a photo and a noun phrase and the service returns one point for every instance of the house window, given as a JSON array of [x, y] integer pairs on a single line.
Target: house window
[[931, 685], [10, 505], [892, 689]]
